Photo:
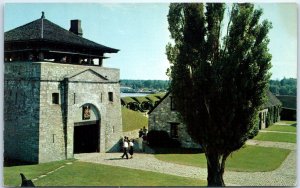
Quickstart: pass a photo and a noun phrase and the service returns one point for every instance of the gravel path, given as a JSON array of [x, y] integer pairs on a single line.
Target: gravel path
[[285, 175]]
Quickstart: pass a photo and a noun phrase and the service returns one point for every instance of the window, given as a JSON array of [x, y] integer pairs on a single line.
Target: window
[[110, 96], [174, 130], [55, 98], [173, 106], [74, 98], [16, 98]]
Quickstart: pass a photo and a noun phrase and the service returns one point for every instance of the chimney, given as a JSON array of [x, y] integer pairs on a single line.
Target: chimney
[[76, 27]]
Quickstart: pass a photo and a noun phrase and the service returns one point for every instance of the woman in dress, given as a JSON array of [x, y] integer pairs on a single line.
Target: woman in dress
[[131, 148]]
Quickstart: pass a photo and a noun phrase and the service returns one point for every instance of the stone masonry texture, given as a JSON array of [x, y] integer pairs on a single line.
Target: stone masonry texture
[[36, 130], [162, 117]]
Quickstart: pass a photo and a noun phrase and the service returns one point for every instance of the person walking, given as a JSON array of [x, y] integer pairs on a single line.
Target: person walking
[[141, 133], [125, 148], [131, 148]]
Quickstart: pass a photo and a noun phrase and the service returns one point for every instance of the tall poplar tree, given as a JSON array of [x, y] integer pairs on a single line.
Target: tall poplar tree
[[218, 81]]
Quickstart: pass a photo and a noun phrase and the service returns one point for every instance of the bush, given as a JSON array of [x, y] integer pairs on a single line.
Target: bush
[[161, 139], [174, 143], [158, 138], [254, 132]]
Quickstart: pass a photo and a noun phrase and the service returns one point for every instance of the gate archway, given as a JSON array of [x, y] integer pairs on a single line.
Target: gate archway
[[86, 137]]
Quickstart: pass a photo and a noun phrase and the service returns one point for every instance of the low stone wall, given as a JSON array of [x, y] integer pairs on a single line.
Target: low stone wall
[[138, 144], [132, 134]]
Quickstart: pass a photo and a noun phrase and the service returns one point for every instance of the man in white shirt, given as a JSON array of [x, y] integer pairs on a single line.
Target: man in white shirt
[[125, 147]]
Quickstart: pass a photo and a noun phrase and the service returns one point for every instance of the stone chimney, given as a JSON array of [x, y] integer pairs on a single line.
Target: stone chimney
[[76, 27]]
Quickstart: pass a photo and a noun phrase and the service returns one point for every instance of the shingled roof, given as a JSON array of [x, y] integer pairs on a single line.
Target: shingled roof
[[272, 100], [44, 30]]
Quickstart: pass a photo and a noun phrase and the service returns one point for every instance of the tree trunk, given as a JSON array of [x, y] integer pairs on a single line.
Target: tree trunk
[[215, 170]]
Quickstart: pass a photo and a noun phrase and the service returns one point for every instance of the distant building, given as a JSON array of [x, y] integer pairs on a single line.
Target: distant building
[[58, 98], [164, 116], [289, 107]]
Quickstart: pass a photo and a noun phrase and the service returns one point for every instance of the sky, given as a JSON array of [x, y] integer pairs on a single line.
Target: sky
[[140, 32]]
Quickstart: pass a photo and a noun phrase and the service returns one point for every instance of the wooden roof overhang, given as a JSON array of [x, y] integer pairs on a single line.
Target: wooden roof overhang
[[35, 46], [42, 35]]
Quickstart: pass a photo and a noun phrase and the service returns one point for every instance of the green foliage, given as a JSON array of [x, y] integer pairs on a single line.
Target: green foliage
[[161, 139], [219, 84], [91, 174], [253, 132], [247, 159], [158, 138], [286, 86], [150, 84], [133, 120]]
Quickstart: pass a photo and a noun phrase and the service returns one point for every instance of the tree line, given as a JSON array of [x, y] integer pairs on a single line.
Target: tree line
[[143, 84], [286, 86]]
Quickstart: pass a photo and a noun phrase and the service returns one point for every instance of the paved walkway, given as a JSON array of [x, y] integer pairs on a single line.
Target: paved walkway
[[265, 131], [285, 175]]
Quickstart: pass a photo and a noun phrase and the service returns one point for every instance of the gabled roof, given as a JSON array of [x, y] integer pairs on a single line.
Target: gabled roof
[[44, 30], [158, 103], [288, 101], [272, 100], [90, 76]]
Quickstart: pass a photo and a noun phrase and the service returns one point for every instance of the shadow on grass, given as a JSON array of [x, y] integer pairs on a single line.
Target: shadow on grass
[[12, 162], [165, 150], [294, 125]]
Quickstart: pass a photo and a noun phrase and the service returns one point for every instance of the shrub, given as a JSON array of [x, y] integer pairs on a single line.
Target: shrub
[[174, 143], [254, 132], [158, 138], [161, 139]]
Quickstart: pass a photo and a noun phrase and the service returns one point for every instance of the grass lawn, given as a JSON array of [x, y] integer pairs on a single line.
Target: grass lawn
[[89, 174], [247, 159], [12, 174], [276, 137], [283, 128], [133, 120], [287, 122]]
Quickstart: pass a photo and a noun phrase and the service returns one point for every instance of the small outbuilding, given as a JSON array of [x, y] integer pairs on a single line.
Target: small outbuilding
[[163, 116]]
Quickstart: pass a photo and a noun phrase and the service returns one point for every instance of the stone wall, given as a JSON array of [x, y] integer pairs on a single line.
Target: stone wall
[[21, 111], [46, 129], [162, 117]]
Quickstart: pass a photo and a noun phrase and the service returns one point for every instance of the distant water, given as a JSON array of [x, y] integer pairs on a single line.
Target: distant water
[[133, 94]]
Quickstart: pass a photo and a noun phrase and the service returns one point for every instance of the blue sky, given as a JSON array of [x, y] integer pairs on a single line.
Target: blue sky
[[140, 31]]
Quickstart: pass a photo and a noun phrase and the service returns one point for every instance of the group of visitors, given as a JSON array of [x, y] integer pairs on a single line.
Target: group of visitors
[[127, 147], [143, 132]]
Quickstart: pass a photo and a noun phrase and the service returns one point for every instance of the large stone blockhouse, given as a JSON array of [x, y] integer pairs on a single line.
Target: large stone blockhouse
[[58, 98], [164, 116]]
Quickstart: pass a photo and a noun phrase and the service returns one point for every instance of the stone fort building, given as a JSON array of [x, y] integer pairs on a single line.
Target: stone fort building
[[59, 100], [164, 116]]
